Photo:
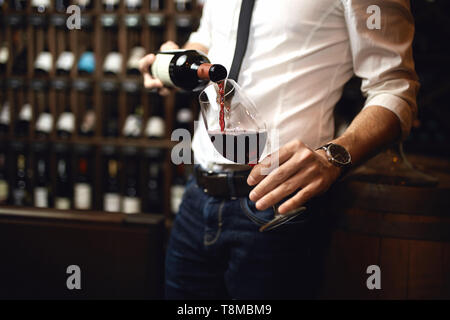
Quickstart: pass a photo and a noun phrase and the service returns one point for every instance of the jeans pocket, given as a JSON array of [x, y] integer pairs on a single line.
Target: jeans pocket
[[262, 217]]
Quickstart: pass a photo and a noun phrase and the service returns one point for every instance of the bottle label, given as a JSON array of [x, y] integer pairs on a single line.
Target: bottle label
[[4, 54], [160, 68], [111, 202], [133, 125], [4, 190], [44, 123], [113, 62], [26, 112], [65, 61], [110, 2], [82, 196], [19, 196], [131, 205], [155, 127], [62, 203], [41, 197], [44, 61], [40, 3], [4, 115], [176, 195], [66, 122]]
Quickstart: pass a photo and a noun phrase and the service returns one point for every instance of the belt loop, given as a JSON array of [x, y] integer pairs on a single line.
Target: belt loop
[[231, 186]]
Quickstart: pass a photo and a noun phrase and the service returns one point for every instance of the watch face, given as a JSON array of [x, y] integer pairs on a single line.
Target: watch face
[[339, 154]]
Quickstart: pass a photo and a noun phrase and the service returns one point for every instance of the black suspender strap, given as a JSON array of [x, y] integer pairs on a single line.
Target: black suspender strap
[[245, 17]]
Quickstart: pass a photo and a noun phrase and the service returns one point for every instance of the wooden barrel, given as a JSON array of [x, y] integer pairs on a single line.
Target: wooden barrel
[[405, 230]]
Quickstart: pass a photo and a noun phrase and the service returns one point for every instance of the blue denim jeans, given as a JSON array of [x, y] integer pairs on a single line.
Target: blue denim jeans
[[215, 251]]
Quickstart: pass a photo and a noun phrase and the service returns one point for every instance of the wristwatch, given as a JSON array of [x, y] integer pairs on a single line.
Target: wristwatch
[[337, 155]]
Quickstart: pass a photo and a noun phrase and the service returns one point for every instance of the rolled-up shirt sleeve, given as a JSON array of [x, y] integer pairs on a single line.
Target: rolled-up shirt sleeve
[[203, 33], [383, 57]]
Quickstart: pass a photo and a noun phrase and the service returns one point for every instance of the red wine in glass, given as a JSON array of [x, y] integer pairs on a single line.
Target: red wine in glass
[[239, 146]]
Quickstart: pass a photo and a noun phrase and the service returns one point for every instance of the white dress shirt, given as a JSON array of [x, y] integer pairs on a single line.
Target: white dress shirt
[[301, 53]]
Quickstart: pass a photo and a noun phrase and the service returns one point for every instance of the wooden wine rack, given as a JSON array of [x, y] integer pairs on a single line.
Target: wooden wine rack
[[18, 29]]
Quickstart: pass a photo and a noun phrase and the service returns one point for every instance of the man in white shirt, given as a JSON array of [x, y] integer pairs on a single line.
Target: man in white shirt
[[299, 56]]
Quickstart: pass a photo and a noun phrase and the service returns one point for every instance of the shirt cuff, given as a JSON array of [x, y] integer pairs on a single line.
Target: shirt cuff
[[398, 106]]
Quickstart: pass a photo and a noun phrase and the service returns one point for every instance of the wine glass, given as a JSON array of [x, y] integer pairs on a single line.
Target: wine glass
[[237, 131]]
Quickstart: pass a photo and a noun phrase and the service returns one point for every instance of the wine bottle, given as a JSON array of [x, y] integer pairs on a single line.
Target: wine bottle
[[110, 103], [183, 5], [177, 188], [112, 199], [133, 123], [84, 5], [86, 64], [113, 61], [131, 200], [63, 193], [24, 120], [4, 186], [20, 192], [4, 55], [43, 63], [83, 183], [156, 126], [133, 5], [42, 186], [5, 118], [156, 5], [64, 63], [155, 180], [44, 123], [40, 6], [133, 62], [66, 123], [186, 69], [110, 5]]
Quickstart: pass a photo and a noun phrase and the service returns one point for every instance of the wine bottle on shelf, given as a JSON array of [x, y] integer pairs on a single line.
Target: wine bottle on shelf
[[40, 6], [177, 188], [110, 5], [133, 5], [4, 55], [20, 62], [86, 64], [62, 5], [111, 110], [113, 61], [64, 63], [42, 186], [84, 5], [186, 69], [155, 180], [4, 186], [156, 126], [43, 63], [183, 112], [112, 200], [156, 5], [24, 120], [183, 5], [66, 123], [18, 5], [133, 62], [83, 183], [5, 118], [133, 123], [63, 194], [131, 200], [44, 122], [20, 192]]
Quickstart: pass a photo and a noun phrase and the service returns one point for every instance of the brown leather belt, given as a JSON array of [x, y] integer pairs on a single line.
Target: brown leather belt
[[229, 184]]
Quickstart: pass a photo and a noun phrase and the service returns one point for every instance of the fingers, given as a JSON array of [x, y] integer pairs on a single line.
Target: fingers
[[169, 45], [303, 196], [145, 63], [284, 154], [288, 187]]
